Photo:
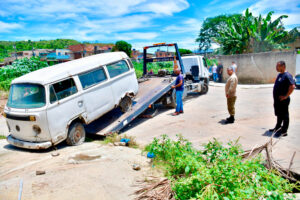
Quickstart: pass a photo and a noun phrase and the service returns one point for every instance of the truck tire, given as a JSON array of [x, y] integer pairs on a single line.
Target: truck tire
[[125, 104], [76, 134], [172, 99], [204, 89]]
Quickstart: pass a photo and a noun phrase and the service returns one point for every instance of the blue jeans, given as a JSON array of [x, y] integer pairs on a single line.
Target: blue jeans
[[215, 76], [179, 104]]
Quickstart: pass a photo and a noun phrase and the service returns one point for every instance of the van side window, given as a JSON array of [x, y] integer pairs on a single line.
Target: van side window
[[117, 68], [64, 88], [53, 97], [130, 63], [91, 78]]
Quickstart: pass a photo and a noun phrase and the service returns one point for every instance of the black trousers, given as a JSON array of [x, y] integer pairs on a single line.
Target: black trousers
[[282, 112], [220, 78]]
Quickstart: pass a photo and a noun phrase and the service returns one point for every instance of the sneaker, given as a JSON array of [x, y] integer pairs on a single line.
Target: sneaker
[[181, 112], [284, 134], [274, 129], [175, 113]]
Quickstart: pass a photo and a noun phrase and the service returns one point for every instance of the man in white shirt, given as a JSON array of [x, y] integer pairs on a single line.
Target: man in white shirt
[[234, 67]]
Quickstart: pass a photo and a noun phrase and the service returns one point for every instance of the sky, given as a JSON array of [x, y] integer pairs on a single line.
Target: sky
[[139, 22]]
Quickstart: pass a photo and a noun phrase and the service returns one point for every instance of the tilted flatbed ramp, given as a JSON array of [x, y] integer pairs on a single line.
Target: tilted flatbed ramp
[[150, 90]]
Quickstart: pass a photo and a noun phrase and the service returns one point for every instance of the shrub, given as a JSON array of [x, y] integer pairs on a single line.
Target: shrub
[[216, 172], [18, 68]]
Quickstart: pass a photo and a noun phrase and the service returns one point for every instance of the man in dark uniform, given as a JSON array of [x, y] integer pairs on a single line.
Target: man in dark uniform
[[220, 72], [283, 88]]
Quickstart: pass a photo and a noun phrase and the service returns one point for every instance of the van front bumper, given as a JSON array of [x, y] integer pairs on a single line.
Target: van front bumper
[[28, 145]]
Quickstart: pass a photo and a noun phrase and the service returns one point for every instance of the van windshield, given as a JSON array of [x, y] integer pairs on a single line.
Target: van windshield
[[26, 95]]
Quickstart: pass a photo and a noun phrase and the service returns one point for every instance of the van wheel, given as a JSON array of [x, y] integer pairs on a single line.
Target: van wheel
[[125, 104], [76, 134], [204, 88]]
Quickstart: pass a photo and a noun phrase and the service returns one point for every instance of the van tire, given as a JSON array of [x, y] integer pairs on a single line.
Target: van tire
[[204, 89], [125, 104], [76, 134]]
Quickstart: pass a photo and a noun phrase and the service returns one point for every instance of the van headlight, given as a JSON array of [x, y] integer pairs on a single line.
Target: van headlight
[[36, 129]]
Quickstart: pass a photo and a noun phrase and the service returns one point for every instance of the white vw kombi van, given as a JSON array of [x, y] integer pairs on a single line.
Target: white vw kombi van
[[50, 105]]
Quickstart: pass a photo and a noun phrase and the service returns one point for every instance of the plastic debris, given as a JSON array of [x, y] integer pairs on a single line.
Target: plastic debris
[[126, 140], [150, 155]]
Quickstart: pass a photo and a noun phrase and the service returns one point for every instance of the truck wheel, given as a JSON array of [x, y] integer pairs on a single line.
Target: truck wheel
[[76, 134], [125, 104], [204, 88], [170, 99]]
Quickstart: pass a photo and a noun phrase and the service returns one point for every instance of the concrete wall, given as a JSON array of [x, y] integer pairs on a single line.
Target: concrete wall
[[298, 64], [258, 67]]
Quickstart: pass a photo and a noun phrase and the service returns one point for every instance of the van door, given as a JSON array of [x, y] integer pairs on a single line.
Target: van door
[[97, 96], [122, 78], [66, 103]]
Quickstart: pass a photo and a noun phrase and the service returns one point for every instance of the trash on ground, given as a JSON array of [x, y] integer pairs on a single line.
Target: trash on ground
[[54, 154], [136, 167], [40, 172], [119, 143]]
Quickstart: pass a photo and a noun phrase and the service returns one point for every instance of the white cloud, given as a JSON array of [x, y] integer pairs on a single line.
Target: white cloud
[[263, 6], [136, 36], [167, 7], [7, 27], [100, 8], [190, 25], [283, 7]]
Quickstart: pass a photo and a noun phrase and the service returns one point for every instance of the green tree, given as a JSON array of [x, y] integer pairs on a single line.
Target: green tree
[[210, 29], [247, 33], [185, 51], [123, 46]]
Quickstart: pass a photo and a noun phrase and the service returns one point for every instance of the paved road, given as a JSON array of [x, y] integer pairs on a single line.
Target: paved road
[[202, 118]]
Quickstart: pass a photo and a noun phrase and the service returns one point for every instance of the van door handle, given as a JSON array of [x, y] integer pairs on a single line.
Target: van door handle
[[80, 103]]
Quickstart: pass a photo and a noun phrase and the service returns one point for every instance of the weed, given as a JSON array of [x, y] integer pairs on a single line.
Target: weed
[[2, 137], [216, 172], [115, 137]]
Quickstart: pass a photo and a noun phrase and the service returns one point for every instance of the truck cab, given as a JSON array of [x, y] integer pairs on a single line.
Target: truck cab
[[195, 68]]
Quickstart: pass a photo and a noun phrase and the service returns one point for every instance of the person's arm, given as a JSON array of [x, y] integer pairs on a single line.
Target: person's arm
[[291, 89], [178, 85]]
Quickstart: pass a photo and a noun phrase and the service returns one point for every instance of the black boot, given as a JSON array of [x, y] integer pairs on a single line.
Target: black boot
[[230, 120]]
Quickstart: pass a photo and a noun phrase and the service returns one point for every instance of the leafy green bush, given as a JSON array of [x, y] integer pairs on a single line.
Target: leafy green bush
[[17, 69], [216, 172], [138, 66]]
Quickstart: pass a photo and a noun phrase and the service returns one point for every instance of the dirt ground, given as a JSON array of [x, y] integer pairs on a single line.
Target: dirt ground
[[71, 175], [110, 175]]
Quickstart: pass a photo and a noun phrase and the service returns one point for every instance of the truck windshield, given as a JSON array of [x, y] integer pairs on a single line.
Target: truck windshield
[[26, 95]]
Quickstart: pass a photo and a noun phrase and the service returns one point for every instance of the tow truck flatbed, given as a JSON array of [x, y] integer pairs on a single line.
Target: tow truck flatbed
[[150, 90]]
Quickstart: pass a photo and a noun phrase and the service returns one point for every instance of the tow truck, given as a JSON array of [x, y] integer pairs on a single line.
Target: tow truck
[[154, 88]]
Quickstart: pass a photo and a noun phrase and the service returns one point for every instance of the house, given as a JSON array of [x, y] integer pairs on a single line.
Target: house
[[136, 54], [83, 50], [59, 56], [160, 54]]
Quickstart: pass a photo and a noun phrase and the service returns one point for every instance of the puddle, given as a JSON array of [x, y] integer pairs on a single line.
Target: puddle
[[84, 157]]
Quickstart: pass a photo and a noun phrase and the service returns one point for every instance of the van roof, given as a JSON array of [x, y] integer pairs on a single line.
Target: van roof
[[63, 70]]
